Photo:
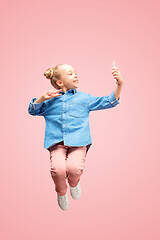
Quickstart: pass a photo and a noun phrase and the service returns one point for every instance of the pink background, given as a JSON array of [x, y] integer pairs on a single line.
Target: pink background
[[120, 185]]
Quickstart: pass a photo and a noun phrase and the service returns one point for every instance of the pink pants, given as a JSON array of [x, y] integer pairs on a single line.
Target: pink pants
[[66, 162]]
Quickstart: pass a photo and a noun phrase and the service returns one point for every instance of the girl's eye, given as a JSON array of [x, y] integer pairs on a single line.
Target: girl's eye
[[72, 73]]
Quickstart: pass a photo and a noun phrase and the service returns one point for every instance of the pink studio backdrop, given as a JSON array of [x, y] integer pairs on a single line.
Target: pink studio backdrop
[[120, 184]]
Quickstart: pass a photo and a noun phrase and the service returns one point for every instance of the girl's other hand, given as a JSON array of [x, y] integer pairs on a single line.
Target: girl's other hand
[[51, 94]]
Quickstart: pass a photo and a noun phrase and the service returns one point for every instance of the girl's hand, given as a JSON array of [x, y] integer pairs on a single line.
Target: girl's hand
[[51, 94], [117, 75]]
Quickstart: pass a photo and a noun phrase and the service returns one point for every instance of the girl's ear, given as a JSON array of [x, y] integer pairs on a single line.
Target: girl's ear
[[59, 83]]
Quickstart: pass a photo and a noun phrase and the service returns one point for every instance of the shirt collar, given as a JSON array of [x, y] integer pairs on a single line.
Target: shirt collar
[[73, 90]]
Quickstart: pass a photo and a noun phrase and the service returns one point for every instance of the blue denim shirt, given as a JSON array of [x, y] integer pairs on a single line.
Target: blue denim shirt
[[67, 116]]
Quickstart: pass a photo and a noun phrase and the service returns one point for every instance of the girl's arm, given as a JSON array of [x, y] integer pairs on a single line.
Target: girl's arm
[[40, 100], [104, 102], [117, 91], [37, 108], [110, 101]]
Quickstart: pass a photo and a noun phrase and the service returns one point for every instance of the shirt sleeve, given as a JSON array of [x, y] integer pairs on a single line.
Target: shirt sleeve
[[104, 102], [36, 108]]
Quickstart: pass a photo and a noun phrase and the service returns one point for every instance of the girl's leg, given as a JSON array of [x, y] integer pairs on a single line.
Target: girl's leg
[[75, 164], [58, 168]]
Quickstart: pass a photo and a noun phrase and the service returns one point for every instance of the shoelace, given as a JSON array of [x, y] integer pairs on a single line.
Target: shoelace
[[64, 198], [76, 189]]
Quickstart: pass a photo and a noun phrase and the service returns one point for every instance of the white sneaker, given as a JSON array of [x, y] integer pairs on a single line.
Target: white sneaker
[[63, 201], [75, 191]]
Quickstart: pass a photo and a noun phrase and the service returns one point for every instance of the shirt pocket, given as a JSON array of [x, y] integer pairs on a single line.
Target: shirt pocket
[[78, 109]]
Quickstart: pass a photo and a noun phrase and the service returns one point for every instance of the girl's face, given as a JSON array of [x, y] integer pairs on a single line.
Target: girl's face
[[68, 79]]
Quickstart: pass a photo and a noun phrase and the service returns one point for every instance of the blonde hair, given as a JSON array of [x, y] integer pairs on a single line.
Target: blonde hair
[[54, 75]]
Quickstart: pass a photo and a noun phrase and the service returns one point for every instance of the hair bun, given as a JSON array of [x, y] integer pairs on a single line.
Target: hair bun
[[49, 73]]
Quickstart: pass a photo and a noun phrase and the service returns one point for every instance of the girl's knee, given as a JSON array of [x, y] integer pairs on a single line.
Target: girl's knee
[[73, 170], [60, 172]]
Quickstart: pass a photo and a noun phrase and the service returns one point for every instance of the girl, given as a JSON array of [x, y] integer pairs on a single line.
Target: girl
[[67, 132]]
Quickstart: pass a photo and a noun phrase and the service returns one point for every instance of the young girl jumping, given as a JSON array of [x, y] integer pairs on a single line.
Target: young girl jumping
[[67, 133]]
